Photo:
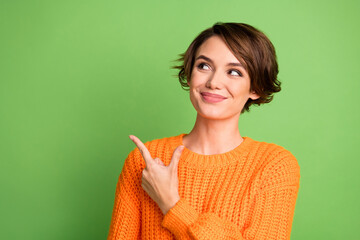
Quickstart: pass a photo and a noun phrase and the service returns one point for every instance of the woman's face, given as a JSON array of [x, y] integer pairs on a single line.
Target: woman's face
[[217, 71]]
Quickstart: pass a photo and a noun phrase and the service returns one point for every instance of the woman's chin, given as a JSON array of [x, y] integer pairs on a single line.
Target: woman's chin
[[212, 115]]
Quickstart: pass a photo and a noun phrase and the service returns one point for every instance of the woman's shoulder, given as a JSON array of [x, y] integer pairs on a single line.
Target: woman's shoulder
[[269, 148], [274, 157], [279, 166]]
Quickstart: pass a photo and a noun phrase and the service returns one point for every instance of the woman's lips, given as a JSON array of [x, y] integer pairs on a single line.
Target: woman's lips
[[212, 98]]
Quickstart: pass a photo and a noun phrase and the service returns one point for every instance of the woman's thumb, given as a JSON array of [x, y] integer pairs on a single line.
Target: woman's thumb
[[176, 156]]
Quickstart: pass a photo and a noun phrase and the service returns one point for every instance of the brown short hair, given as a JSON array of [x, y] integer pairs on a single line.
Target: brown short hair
[[251, 47]]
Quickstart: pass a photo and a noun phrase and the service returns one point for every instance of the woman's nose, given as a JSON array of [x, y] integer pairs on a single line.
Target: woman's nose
[[214, 81]]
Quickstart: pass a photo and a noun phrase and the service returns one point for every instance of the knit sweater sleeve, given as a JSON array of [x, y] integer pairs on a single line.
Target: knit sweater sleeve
[[270, 216], [126, 216]]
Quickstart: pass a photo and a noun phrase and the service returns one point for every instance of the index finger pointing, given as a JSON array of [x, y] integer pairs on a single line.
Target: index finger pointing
[[143, 150]]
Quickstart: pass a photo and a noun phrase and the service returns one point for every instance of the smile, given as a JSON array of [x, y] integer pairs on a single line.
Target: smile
[[212, 98]]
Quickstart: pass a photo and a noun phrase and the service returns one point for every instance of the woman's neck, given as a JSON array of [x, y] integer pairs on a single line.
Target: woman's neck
[[213, 136]]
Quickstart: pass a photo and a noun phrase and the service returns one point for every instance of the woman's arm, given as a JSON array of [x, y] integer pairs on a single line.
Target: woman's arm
[[270, 217], [126, 216]]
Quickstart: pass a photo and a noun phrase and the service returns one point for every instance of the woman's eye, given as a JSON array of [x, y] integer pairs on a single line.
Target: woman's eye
[[235, 73], [203, 66]]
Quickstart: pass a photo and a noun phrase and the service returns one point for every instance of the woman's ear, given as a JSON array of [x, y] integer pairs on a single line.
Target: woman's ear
[[254, 96]]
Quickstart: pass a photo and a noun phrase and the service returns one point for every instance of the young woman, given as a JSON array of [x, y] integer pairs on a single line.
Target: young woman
[[212, 183]]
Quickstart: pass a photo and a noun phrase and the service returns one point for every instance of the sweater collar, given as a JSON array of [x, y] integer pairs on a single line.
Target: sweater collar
[[190, 158]]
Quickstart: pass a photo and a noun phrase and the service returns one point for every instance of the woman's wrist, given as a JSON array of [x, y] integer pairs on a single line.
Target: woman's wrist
[[169, 205]]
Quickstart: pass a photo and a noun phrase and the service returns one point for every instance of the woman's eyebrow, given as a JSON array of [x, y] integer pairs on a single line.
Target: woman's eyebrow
[[211, 61]]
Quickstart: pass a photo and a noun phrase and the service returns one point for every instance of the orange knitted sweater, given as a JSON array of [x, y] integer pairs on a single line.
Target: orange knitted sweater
[[247, 193]]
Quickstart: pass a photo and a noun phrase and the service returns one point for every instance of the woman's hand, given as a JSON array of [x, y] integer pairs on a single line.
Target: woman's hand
[[159, 181]]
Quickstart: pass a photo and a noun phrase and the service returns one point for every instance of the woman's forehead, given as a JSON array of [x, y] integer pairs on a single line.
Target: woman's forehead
[[215, 49]]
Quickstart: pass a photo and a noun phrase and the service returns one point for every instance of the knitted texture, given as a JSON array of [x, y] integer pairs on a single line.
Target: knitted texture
[[247, 193]]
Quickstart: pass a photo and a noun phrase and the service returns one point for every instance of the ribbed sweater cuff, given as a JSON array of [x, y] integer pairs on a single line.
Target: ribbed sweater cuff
[[179, 218]]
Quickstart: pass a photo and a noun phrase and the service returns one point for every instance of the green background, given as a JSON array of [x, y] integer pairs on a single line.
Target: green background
[[77, 77]]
